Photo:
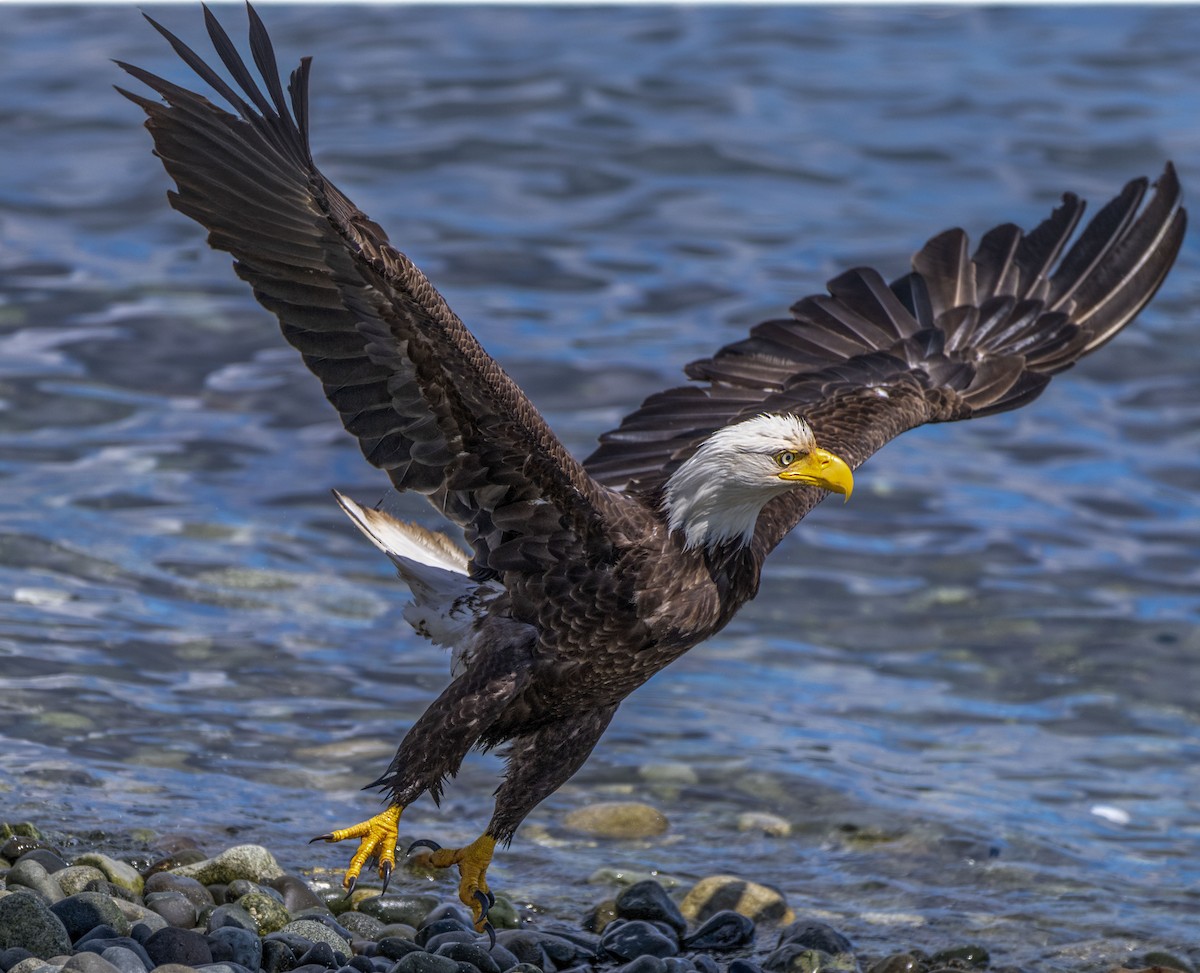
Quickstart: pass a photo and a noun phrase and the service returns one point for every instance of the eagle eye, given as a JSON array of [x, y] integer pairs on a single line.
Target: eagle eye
[[785, 458]]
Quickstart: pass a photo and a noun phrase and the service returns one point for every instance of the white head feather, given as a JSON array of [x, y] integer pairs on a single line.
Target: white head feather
[[717, 494]]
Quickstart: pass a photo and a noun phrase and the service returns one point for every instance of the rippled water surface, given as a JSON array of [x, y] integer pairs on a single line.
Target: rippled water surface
[[973, 690]]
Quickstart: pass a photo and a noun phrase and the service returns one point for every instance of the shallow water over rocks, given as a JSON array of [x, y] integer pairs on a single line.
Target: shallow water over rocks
[[971, 692]]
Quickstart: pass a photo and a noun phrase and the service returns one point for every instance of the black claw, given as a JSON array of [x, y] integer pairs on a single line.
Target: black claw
[[486, 901], [350, 886], [491, 934], [491, 899], [424, 843], [386, 871], [320, 837]]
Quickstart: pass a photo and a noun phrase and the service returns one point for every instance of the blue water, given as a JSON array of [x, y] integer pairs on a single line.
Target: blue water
[[973, 690]]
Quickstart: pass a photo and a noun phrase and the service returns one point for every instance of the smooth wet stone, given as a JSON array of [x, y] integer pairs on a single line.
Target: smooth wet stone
[[394, 948], [434, 943], [232, 945], [744, 966], [323, 954], [901, 963], [182, 946], [139, 915], [105, 887], [12, 956], [226, 968], [196, 893], [268, 912], [716, 893], [568, 947], [362, 925], [232, 914], [706, 964], [243, 886], [318, 932], [32, 874], [669, 774], [175, 907], [814, 935], [295, 892], [102, 945], [722, 931], [88, 963], [679, 964], [976, 956], [637, 937], [503, 914], [439, 926], [21, 837], [600, 915], [76, 878], [617, 819], [471, 953], [422, 962], [277, 957], [34, 965], [649, 900], [83, 911], [45, 857], [525, 946], [645, 964], [117, 872], [1154, 958], [27, 922], [760, 822], [126, 960], [242, 861], [794, 958], [408, 909]]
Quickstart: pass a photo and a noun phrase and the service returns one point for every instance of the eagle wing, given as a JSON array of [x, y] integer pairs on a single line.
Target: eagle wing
[[960, 336], [427, 404]]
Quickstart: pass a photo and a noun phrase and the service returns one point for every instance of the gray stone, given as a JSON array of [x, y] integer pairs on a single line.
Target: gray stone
[[140, 914], [126, 960], [317, 932], [89, 963], [423, 962], [175, 907], [232, 945], [814, 935], [101, 944], [617, 819], [224, 968], [266, 909], [296, 893], [649, 900], [408, 909], [76, 878], [367, 927], [231, 914], [44, 857], [181, 946], [632, 938], [645, 964], [196, 893], [34, 965], [84, 911], [722, 931], [242, 861], [119, 873], [32, 874], [471, 953], [26, 921]]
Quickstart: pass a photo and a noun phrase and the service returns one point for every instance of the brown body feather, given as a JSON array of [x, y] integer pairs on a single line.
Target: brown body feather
[[598, 594]]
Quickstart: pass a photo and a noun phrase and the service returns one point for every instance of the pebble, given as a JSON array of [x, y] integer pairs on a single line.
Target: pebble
[[649, 900], [716, 893], [772, 825], [242, 861], [722, 931], [82, 912], [617, 819], [31, 874], [628, 939], [27, 922]]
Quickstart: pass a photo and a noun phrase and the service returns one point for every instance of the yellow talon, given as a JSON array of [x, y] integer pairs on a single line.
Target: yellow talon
[[472, 861], [377, 840]]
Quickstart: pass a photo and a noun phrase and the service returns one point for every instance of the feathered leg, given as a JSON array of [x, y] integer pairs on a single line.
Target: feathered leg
[[429, 753], [538, 764]]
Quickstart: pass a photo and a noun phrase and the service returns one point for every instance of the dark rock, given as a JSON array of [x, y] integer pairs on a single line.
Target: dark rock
[[600, 916], [435, 943], [105, 887], [813, 935], [181, 946], [226, 968], [45, 857], [525, 946], [89, 963], [126, 960], [504, 959], [471, 953], [32, 875], [196, 893], [706, 964], [102, 933], [448, 910], [649, 900], [1155, 957], [412, 910], [296, 895], [277, 957], [796, 958], [394, 948], [744, 966], [725, 930], [231, 914], [971, 955], [19, 845], [361, 925], [637, 937], [568, 947], [361, 963], [526, 968], [322, 954], [140, 932], [82, 912], [175, 907], [422, 962], [437, 927], [127, 943], [218, 892], [12, 956], [243, 886], [679, 964], [645, 964], [230, 944], [913, 962]]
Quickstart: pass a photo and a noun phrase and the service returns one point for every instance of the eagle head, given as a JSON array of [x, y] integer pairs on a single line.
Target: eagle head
[[717, 494]]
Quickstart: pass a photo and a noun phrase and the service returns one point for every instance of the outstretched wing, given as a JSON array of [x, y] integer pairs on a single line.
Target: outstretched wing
[[426, 402], [960, 336]]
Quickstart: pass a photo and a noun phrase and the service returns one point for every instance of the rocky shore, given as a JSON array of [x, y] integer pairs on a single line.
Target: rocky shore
[[177, 909]]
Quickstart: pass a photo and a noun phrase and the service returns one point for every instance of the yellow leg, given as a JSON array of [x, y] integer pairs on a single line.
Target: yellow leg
[[472, 861], [377, 840]]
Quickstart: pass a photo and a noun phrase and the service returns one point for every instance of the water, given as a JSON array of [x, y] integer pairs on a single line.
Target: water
[[972, 690]]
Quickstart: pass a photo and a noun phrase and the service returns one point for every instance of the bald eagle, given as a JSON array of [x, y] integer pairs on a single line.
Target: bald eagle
[[583, 578]]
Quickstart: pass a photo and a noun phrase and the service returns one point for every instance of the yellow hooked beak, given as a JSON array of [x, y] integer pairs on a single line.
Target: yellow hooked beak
[[821, 468]]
